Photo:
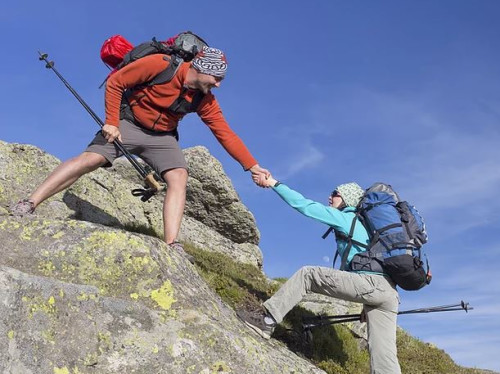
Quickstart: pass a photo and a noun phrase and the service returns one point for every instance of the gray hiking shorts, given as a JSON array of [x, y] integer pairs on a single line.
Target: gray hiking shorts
[[158, 149]]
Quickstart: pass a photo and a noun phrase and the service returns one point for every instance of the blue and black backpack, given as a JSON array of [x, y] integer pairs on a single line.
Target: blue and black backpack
[[397, 233]]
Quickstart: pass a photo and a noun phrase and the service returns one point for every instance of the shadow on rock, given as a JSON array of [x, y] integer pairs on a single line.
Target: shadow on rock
[[86, 211]]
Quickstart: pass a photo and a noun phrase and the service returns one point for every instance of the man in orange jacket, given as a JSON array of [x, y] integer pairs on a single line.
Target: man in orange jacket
[[148, 128]]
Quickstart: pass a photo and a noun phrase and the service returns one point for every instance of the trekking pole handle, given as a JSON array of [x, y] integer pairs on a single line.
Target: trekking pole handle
[[151, 182]]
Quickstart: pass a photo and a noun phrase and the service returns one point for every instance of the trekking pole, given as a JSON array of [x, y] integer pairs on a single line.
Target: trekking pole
[[444, 308], [309, 322], [148, 177], [316, 321]]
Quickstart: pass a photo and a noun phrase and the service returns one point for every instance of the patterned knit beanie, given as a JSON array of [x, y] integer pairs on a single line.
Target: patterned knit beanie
[[211, 61], [351, 193]]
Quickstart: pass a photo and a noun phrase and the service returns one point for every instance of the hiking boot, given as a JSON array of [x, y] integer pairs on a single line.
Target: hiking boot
[[259, 321], [177, 246], [23, 208]]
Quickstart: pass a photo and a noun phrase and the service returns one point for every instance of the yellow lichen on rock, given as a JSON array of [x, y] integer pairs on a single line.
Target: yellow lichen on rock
[[46, 267], [37, 304], [220, 367], [9, 225], [63, 370], [58, 235], [164, 296]]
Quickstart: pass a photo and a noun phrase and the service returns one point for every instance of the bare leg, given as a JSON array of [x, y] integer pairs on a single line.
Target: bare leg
[[173, 205], [66, 174]]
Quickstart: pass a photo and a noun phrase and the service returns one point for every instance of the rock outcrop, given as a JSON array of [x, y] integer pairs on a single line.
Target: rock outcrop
[[215, 218], [83, 291], [79, 297]]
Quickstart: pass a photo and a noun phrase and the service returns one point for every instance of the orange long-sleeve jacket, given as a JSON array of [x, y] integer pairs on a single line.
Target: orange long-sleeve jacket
[[149, 105]]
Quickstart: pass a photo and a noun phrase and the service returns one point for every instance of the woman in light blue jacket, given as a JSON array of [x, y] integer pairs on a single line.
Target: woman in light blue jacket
[[376, 291]]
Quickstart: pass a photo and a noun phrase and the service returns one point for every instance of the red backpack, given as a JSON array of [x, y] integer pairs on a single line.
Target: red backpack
[[114, 49], [116, 52]]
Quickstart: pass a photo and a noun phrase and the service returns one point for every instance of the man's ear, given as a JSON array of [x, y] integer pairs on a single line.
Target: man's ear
[[192, 75]]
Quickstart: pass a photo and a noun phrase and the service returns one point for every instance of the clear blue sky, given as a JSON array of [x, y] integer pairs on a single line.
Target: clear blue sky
[[322, 92]]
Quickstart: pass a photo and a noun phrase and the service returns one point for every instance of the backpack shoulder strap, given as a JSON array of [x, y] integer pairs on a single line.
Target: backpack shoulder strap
[[167, 74], [350, 240], [347, 238], [182, 106]]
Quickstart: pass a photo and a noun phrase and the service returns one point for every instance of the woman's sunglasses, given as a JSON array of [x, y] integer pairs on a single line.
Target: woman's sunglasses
[[335, 193]]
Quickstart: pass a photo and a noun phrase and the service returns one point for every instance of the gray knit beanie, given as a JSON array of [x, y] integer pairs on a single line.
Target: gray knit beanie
[[351, 193]]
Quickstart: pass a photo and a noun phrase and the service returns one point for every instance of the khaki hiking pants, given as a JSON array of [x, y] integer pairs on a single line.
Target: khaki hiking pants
[[376, 292]]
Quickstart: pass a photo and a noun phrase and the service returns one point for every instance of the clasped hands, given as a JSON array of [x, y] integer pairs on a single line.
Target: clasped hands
[[262, 177]]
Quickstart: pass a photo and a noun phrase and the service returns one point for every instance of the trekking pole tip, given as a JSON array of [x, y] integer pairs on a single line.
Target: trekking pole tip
[[466, 307], [43, 57]]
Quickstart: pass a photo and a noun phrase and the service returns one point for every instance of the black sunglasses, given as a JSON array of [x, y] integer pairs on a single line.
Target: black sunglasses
[[335, 193]]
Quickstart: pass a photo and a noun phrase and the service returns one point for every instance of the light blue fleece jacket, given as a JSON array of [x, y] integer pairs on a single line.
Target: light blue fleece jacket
[[340, 220]]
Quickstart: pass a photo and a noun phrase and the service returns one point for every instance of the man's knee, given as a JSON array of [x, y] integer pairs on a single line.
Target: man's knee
[[89, 161], [175, 177]]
